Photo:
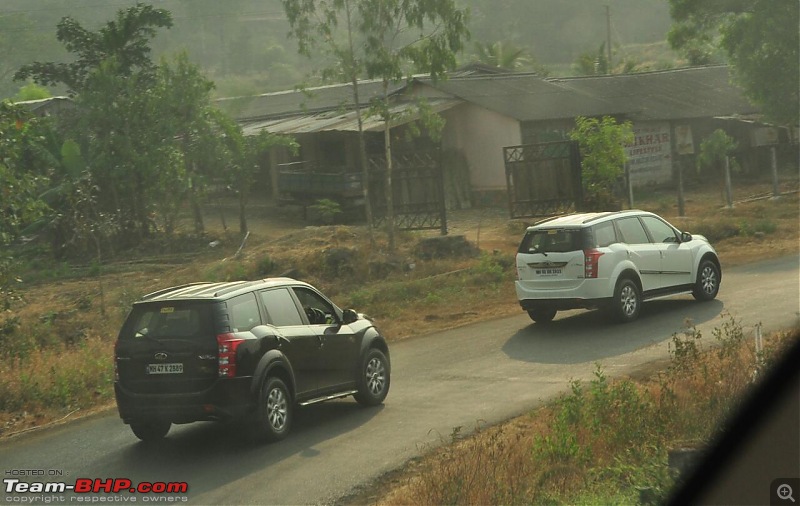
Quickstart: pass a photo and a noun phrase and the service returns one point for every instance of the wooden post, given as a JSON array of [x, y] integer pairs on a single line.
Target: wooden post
[[630, 185], [728, 189], [681, 200], [776, 191]]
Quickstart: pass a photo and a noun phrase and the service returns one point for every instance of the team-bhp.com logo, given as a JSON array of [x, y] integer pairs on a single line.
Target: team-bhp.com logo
[[96, 486]]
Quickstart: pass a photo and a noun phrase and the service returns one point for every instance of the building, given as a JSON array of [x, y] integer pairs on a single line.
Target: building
[[671, 111]]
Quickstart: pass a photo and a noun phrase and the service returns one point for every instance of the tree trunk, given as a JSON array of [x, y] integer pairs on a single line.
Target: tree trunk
[[362, 148], [199, 226], [242, 214], [388, 153]]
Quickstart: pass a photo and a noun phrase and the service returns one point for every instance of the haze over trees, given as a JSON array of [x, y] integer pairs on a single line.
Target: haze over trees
[[242, 45], [761, 40]]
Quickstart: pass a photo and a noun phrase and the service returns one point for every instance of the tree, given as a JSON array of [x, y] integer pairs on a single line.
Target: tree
[[246, 155], [602, 144], [592, 64], [31, 92], [20, 134], [315, 23], [125, 40], [761, 40], [143, 137], [504, 55], [403, 36], [19, 186]]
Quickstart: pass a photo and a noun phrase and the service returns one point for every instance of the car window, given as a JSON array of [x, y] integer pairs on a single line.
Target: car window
[[552, 240], [632, 231], [318, 310], [604, 234], [244, 313], [660, 231], [167, 321], [281, 307]]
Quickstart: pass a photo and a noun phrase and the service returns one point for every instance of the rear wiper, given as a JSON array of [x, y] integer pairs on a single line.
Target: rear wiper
[[537, 250]]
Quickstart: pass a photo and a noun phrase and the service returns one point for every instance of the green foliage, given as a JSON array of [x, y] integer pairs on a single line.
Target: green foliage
[[327, 210], [602, 144], [591, 63], [502, 54], [265, 266], [31, 91], [20, 143], [761, 41], [143, 139], [124, 40], [490, 269], [713, 150]]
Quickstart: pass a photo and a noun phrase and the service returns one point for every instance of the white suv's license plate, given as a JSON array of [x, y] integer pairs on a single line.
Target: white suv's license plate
[[548, 272], [164, 368]]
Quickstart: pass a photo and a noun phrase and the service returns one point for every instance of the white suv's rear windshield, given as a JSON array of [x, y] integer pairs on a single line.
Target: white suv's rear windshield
[[553, 240]]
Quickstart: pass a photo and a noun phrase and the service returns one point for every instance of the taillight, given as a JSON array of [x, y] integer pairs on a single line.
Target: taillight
[[227, 344], [591, 258]]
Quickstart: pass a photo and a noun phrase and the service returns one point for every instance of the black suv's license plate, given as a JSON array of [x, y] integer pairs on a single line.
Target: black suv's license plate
[[164, 368]]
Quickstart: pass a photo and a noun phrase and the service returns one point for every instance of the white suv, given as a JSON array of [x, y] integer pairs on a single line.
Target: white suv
[[611, 260]]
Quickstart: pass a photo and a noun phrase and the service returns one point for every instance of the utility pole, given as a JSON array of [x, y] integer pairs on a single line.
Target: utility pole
[[608, 36]]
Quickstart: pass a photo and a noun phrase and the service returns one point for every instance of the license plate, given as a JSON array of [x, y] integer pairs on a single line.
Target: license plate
[[548, 272], [164, 368]]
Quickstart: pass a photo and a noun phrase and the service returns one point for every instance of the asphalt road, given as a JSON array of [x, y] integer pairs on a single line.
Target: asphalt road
[[477, 374]]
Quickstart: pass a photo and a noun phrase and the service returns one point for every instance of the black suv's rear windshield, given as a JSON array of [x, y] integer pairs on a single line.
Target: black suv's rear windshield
[[553, 240], [170, 320]]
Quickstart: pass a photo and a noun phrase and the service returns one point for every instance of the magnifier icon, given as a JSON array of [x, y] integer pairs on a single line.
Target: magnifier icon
[[785, 492]]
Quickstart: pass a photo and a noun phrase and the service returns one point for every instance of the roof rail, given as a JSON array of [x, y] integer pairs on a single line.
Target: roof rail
[[610, 213], [233, 286], [171, 288], [549, 219]]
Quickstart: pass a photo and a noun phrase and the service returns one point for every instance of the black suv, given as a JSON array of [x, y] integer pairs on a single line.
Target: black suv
[[246, 349]]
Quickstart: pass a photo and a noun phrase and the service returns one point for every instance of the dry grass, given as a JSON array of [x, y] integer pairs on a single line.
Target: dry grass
[[601, 443]]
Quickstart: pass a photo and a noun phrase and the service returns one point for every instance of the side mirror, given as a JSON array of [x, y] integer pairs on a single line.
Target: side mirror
[[349, 316], [686, 237]]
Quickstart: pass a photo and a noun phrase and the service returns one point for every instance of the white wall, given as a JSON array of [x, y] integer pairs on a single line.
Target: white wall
[[481, 135]]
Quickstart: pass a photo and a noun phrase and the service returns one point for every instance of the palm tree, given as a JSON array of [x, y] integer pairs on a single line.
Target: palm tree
[[504, 55]]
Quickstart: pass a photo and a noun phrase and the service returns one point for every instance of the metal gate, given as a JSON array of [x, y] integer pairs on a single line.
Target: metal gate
[[543, 179], [417, 190]]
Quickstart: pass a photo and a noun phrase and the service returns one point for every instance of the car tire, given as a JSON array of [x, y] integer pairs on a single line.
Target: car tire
[[150, 431], [373, 379], [707, 285], [542, 314], [274, 411], [627, 301]]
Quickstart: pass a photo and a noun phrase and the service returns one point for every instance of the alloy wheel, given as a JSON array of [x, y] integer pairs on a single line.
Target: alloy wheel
[[376, 376]]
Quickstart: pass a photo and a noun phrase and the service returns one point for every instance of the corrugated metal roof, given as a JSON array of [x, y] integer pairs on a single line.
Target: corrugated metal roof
[[698, 92], [528, 97], [340, 120], [311, 100], [660, 95]]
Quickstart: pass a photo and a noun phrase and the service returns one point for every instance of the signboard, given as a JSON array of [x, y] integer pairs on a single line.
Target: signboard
[[650, 154]]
